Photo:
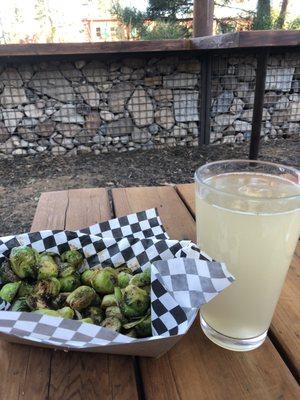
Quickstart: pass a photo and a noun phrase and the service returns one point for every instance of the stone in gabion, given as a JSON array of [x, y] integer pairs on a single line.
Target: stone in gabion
[[223, 102], [140, 135], [141, 108], [13, 96], [11, 77], [95, 72], [118, 96], [121, 127], [92, 123], [186, 105], [279, 79], [68, 130], [180, 80], [45, 129], [106, 115], [89, 95], [4, 134], [164, 117], [67, 114], [11, 117]]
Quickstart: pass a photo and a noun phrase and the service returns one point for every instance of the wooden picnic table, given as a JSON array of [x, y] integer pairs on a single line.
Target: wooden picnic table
[[194, 368]]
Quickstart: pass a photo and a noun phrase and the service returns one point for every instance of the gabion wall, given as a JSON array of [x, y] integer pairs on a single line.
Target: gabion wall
[[139, 103]]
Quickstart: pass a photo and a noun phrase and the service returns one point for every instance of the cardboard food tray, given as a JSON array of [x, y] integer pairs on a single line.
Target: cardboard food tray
[[182, 279]]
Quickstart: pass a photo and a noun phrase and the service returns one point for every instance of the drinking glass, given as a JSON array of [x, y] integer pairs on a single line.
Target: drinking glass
[[248, 216]]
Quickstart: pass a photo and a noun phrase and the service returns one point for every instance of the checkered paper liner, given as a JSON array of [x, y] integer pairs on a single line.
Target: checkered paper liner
[[182, 279]]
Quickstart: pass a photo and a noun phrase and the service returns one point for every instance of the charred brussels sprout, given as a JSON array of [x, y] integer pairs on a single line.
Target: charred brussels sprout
[[23, 261], [36, 303], [113, 311], [25, 289], [123, 279], [66, 270], [87, 276], [143, 328], [105, 281], [112, 323], [20, 305], [81, 297], [66, 312], [9, 291], [6, 273], [47, 311], [69, 283], [95, 313], [47, 288], [135, 302], [141, 279], [60, 300], [73, 258], [47, 267], [108, 301], [87, 320]]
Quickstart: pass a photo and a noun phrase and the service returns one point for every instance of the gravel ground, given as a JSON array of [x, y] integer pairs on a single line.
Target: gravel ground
[[23, 179]]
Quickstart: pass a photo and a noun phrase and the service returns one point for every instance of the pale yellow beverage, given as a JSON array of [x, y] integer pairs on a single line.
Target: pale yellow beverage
[[251, 222]]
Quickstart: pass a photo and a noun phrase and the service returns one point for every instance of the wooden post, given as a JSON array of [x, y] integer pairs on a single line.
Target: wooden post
[[203, 17]]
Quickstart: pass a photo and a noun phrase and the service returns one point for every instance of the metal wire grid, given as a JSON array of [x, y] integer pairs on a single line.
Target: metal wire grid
[[282, 95], [116, 105], [232, 88]]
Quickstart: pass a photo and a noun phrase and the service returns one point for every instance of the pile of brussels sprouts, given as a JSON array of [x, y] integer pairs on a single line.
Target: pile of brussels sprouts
[[46, 283]]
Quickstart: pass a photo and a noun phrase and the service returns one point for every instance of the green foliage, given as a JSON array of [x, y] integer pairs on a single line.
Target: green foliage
[[263, 19], [132, 18], [295, 24], [170, 9], [165, 30]]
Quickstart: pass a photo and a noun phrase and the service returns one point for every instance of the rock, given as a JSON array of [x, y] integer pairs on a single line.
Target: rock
[[153, 129], [242, 126], [152, 80], [138, 74], [67, 143], [294, 97], [166, 65], [11, 118], [239, 137], [282, 103], [90, 95], [69, 130], [228, 139], [186, 105], [107, 116], [45, 129], [83, 149], [40, 104], [4, 134], [11, 77], [67, 114], [270, 98], [180, 80], [92, 123], [26, 71], [27, 134], [141, 108], [124, 139], [121, 127], [80, 64], [96, 72], [19, 152], [131, 62], [190, 65], [225, 119], [165, 118], [294, 111], [279, 79], [293, 128], [237, 106], [140, 135], [170, 141], [179, 132], [70, 72], [29, 122], [247, 115], [53, 84], [12, 97], [82, 108], [229, 82], [32, 111], [163, 94], [245, 72], [223, 102], [105, 87], [58, 150], [118, 96]]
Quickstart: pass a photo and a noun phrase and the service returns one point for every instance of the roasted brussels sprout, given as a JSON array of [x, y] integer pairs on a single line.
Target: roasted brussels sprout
[[23, 261], [47, 288], [81, 297], [141, 279], [113, 311], [108, 300], [134, 302], [95, 313], [87, 320], [72, 257], [112, 323], [47, 311], [36, 303], [66, 270], [88, 275], [123, 279], [60, 300], [66, 312], [6, 273], [20, 305], [47, 267], [25, 289], [105, 281], [143, 328], [69, 283], [9, 291]]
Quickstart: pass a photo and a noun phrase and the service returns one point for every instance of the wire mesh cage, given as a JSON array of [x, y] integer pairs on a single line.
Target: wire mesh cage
[[100, 106]]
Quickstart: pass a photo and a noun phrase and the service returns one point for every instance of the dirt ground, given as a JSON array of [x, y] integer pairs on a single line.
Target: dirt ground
[[23, 179]]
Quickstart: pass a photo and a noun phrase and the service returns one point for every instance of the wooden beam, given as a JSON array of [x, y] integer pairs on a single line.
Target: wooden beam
[[203, 18]]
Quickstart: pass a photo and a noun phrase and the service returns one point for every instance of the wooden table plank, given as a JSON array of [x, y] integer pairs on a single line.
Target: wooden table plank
[[196, 368], [85, 375], [285, 327]]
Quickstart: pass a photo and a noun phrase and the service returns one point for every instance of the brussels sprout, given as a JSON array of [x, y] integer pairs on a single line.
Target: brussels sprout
[[66, 270], [113, 311], [87, 320], [72, 257], [97, 300], [47, 288], [147, 289], [81, 297], [47, 267], [25, 289], [95, 313], [135, 302], [6, 273], [47, 311], [66, 312], [112, 323], [88, 275], [69, 283], [141, 279], [131, 333], [23, 261], [123, 268], [105, 281], [20, 305], [9, 291], [123, 279], [35, 303], [108, 301], [143, 328]]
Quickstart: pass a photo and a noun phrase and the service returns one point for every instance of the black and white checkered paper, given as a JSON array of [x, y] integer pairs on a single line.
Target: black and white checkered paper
[[182, 279]]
